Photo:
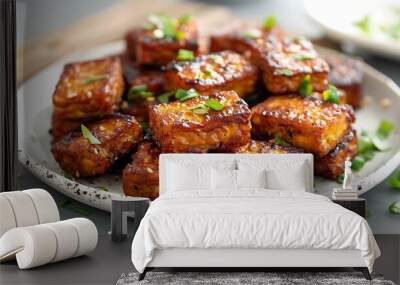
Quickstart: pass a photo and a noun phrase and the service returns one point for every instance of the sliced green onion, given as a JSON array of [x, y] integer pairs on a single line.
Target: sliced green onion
[[365, 143], [69, 176], [364, 24], [303, 56], [185, 18], [164, 98], [138, 88], [283, 71], [103, 188], [252, 34], [340, 179], [269, 22], [216, 58], [214, 104], [184, 54], [368, 144], [331, 95], [89, 136], [144, 125], [93, 78], [394, 208], [158, 34], [208, 71], [167, 27], [183, 95], [279, 141], [180, 35], [368, 155], [200, 109], [139, 91], [380, 143], [164, 23], [385, 129], [306, 88], [394, 180], [357, 163]]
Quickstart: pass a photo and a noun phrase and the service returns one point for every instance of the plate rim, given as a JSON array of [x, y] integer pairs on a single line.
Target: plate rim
[[382, 47]]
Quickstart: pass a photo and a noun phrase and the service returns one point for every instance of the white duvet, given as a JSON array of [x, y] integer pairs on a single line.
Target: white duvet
[[250, 219]]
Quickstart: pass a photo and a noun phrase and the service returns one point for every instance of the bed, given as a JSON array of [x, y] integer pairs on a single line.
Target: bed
[[200, 223]]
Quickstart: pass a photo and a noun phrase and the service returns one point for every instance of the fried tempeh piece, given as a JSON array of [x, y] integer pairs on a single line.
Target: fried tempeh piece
[[270, 146], [131, 38], [153, 79], [61, 127], [118, 135], [346, 73], [244, 39], [332, 165], [309, 123], [138, 109], [178, 128], [159, 42], [341, 94], [140, 177], [209, 73], [151, 82], [285, 63], [89, 89]]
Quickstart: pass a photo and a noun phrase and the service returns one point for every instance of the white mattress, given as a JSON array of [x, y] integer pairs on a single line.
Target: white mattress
[[250, 219]]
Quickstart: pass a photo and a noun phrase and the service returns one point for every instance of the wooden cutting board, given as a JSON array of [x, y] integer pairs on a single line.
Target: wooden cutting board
[[109, 25]]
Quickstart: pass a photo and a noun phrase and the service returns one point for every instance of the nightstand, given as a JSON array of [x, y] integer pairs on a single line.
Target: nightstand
[[121, 207], [358, 206]]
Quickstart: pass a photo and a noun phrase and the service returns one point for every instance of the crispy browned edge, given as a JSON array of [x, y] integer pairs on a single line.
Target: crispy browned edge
[[332, 165], [141, 176], [165, 128]]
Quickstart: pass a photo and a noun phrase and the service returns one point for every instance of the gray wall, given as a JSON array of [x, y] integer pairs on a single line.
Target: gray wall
[[36, 18]]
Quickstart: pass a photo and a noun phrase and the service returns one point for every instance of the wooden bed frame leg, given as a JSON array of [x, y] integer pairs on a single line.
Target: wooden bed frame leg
[[365, 272], [143, 274]]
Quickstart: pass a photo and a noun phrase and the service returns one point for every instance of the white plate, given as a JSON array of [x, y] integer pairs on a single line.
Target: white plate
[[337, 18], [34, 113]]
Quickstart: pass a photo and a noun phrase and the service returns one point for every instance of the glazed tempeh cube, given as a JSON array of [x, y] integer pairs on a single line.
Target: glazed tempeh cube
[[138, 109], [340, 94], [244, 39], [61, 127], [178, 127], [309, 123], [159, 42], [89, 89], [270, 146], [144, 85], [332, 165], [346, 73], [285, 63], [153, 79], [213, 72], [131, 38], [82, 156], [140, 177]]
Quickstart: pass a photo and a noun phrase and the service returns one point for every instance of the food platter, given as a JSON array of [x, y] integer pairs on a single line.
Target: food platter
[[34, 118]]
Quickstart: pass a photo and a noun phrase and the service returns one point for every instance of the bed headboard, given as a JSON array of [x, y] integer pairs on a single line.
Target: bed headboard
[[230, 161]]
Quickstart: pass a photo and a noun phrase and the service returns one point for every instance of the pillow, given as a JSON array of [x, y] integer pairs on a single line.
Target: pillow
[[283, 172], [251, 178], [182, 177], [224, 179], [293, 180]]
